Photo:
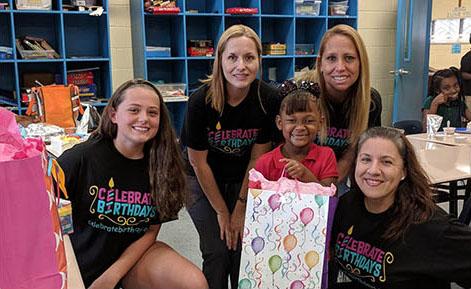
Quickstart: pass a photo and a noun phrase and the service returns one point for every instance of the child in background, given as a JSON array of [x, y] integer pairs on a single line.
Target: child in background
[[300, 120], [446, 98]]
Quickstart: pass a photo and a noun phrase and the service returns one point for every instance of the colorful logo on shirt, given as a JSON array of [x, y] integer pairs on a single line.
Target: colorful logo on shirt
[[120, 207], [337, 138], [232, 141], [361, 258]]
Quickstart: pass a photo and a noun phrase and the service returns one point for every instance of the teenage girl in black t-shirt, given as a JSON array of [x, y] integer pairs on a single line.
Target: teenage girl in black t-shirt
[[123, 183]]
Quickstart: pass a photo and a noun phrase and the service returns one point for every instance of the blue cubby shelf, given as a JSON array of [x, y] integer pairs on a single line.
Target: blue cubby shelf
[[276, 21], [81, 41]]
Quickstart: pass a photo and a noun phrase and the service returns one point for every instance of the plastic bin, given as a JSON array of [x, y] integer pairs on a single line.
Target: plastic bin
[[37, 54], [83, 2], [6, 52], [155, 51], [338, 8], [304, 49], [33, 4], [171, 89], [308, 7]]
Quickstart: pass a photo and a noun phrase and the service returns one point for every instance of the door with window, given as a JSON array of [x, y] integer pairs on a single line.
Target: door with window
[[412, 58]]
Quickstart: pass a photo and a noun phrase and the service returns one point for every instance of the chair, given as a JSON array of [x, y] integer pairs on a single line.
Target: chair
[[448, 192], [409, 126], [465, 216]]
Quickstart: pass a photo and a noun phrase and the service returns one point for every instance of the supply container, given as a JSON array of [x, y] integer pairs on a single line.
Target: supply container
[[304, 49], [157, 51], [171, 89], [338, 8], [33, 4], [308, 7], [83, 2]]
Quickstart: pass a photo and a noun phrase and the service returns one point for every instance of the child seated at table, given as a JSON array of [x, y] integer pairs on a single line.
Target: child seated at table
[[446, 99], [300, 119]]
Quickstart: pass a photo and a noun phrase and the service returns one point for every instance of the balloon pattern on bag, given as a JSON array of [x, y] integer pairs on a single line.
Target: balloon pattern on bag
[[284, 241]]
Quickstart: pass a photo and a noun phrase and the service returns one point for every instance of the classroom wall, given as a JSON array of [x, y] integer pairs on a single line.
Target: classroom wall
[[440, 54], [376, 24], [121, 44], [377, 27]]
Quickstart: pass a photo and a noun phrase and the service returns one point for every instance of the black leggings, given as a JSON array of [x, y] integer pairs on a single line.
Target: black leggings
[[219, 262]]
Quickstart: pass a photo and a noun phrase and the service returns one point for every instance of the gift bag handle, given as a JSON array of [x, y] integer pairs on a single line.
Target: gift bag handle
[[302, 188], [282, 179]]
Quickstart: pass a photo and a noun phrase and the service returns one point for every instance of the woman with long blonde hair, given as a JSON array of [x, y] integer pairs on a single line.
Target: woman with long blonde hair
[[351, 105], [228, 124]]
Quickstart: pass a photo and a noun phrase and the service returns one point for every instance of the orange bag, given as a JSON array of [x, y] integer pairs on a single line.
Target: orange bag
[[55, 104]]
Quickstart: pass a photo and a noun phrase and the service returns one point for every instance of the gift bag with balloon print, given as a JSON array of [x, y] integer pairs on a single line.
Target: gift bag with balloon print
[[286, 233]]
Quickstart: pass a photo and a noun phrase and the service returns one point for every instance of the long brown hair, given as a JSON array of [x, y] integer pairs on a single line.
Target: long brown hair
[[413, 202], [359, 103], [216, 81], [166, 170]]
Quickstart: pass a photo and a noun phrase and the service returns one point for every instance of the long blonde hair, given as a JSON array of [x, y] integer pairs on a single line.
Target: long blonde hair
[[216, 81], [359, 104]]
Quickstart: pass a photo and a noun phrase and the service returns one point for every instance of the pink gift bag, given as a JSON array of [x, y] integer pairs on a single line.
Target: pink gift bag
[[286, 234], [32, 251]]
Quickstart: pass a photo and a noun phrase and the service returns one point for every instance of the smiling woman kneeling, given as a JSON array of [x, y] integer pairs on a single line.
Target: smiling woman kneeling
[[387, 232]]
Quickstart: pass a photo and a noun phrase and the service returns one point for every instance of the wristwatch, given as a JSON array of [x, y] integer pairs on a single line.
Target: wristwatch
[[242, 200]]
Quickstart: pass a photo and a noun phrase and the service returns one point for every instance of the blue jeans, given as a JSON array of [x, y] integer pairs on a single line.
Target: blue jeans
[[219, 263]]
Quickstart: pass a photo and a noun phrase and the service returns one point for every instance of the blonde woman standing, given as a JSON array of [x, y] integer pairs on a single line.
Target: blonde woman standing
[[351, 104], [228, 126]]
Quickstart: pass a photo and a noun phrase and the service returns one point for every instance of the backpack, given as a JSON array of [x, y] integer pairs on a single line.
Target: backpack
[[55, 104]]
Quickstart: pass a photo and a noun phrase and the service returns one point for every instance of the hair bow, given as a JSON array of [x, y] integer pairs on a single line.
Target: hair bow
[[289, 86]]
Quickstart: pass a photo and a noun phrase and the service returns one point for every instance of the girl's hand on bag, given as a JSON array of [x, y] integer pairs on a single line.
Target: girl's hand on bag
[[296, 170], [237, 225], [225, 232]]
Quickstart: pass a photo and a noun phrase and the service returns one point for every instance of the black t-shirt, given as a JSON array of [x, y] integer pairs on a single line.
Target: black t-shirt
[[111, 203], [466, 67], [229, 137], [338, 132], [431, 254]]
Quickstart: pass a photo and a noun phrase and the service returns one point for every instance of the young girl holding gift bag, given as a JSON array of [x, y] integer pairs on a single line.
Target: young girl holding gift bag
[[124, 182], [300, 120], [290, 201]]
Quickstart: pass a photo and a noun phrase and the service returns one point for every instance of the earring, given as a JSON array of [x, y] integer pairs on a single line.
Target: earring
[[403, 177]]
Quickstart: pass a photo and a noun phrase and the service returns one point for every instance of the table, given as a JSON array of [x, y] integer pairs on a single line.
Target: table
[[457, 139], [444, 161], [74, 278]]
